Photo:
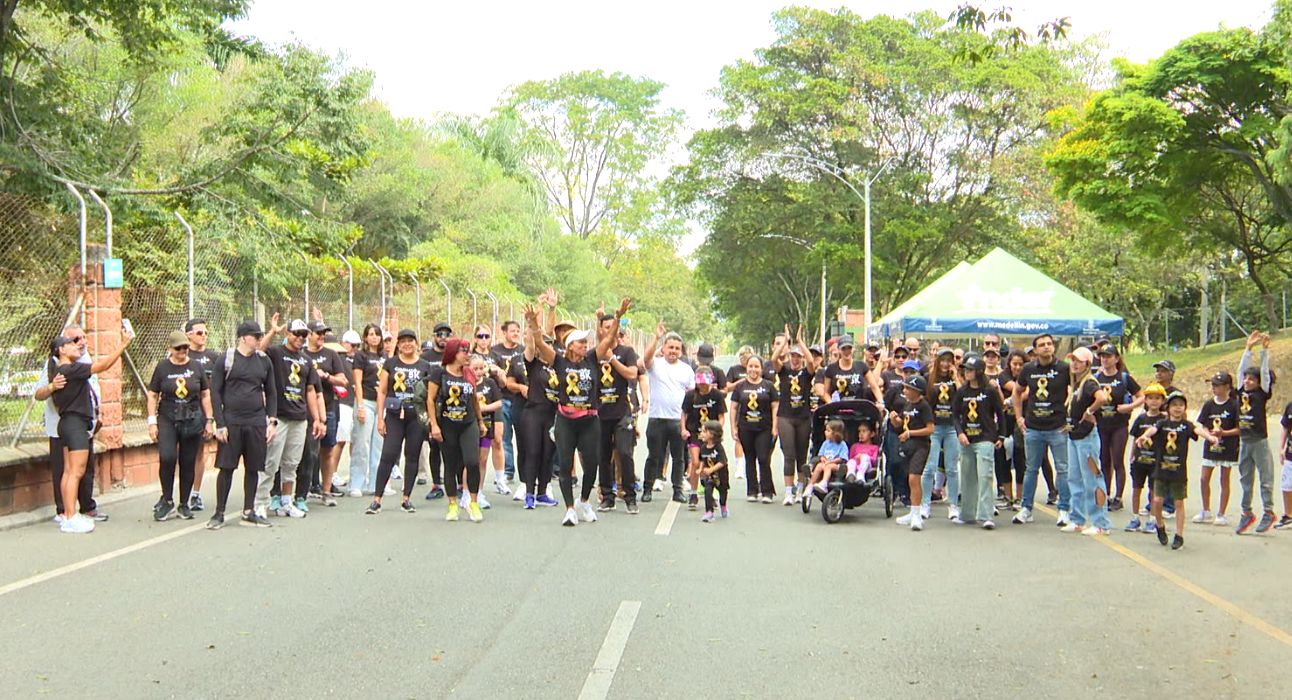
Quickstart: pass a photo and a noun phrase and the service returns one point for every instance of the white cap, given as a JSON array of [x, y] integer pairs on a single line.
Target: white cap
[[577, 335], [386, 334], [297, 325], [351, 337]]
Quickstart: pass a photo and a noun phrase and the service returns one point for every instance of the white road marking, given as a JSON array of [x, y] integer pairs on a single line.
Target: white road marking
[[55, 573], [667, 517], [597, 685]]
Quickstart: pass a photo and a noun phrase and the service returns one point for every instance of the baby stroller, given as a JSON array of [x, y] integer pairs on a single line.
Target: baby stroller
[[842, 495]]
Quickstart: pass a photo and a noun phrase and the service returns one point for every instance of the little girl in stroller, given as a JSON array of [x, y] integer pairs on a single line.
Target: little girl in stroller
[[863, 458], [832, 455]]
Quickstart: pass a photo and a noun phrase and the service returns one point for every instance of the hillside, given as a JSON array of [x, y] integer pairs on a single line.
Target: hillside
[[1194, 366]]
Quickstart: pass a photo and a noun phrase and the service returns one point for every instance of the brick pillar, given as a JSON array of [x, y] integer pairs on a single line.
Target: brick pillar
[[103, 336]]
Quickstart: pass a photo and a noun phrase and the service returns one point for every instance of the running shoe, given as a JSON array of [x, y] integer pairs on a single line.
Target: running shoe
[[1133, 525], [395, 473], [529, 501], [586, 512], [571, 518], [693, 501], [329, 501], [646, 497], [1203, 517], [1115, 505], [452, 515], [303, 504], [953, 512], [924, 512], [1022, 517], [385, 492], [658, 487], [185, 513], [1221, 520], [917, 522], [421, 480], [631, 507], [768, 500], [475, 513], [708, 517], [96, 515], [339, 479], [989, 525], [216, 522], [407, 507], [753, 498], [276, 507], [519, 493], [355, 493], [1245, 523], [253, 519], [545, 500], [605, 505], [725, 514], [1052, 498], [1093, 531], [1169, 515], [1177, 542], [1149, 527], [1161, 536], [678, 496], [959, 521], [434, 493], [77, 525], [293, 510], [789, 500], [1283, 522], [163, 509], [905, 520], [1063, 520], [798, 496], [58, 519], [1267, 522], [463, 498], [195, 502], [484, 502], [501, 488], [373, 508], [1071, 527]]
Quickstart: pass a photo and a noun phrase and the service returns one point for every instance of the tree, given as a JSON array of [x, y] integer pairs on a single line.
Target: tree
[[1183, 152]]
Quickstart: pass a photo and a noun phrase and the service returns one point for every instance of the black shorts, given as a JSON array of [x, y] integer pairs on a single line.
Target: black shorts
[[1177, 490], [1140, 474], [247, 445], [74, 431], [916, 453]]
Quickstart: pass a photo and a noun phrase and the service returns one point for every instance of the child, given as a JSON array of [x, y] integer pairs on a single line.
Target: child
[[713, 468], [913, 416], [1144, 459], [702, 404], [1254, 460], [864, 454], [490, 403], [832, 455], [1285, 446], [1219, 418], [1170, 438]]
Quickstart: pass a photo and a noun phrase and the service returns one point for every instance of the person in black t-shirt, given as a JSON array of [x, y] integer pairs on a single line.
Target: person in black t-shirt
[[1170, 440], [615, 374], [975, 409], [712, 468], [489, 395], [457, 424], [1218, 418], [244, 399], [179, 419], [200, 353], [701, 405], [1144, 459], [333, 376], [1086, 484], [397, 418], [1254, 457], [365, 441], [912, 419], [301, 417], [794, 413], [75, 402], [510, 351], [1122, 396], [754, 404], [1040, 393], [539, 388]]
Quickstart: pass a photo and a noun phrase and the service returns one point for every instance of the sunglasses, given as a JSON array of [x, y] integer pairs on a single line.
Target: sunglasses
[[302, 334], [197, 332], [483, 335], [991, 343], [180, 347], [258, 336], [445, 334]]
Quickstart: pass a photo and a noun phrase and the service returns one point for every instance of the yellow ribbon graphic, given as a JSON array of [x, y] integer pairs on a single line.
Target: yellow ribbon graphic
[[704, 415], [572, 383], [295, 375], [399, 381], [607, 376], [906, 423], [181, 387], [552, 381], [1042, 388], [840, 385], [455, 396], [752, 403], [1171, 437], [973, 410], [944, 393], [1215, 424], [1246, 402], [1108, 393], [794, 385], [482, 398]]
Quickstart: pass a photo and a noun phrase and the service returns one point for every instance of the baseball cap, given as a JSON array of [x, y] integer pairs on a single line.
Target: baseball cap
[[59, 342], [577, 335], [296, 326], [796, 350], [1082, 354], [944, 350], [249, 328], [442, 326], [916, 382], [845, 341], [704, 377], [351, 337], [406, 333], [991, 351], [911, 364], [1108, 349], [386, 334], [1221, 377], [177, 339], [816, 350], [319, 327], [1166, 365], [973, 361], [872, 346], [1154, 389], [1177, 394], [704, 353]]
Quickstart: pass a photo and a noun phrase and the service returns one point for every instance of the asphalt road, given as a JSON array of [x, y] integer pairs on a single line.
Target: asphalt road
[[770, 603]]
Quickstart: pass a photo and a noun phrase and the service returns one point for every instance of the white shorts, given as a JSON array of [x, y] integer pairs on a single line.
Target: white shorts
[[345, 421], [1287, 476], [1216, 463]]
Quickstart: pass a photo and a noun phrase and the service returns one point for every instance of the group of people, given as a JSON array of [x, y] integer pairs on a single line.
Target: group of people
[[975, 430]]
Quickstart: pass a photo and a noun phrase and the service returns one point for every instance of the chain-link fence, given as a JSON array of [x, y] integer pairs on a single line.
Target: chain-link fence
[[1192, 320]]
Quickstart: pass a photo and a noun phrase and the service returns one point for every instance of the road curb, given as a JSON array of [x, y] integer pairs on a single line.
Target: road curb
[[45, 514]]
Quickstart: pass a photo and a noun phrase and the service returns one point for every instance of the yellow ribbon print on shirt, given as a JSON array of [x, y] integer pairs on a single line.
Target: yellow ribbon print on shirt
[[181, 387], [704, 415], [1246, 403], [752, 403], [552, 382], [776, 382], [1171, 438], [572, 383], [906, 423], [454, 397], [840, 385], [295, 376], [607, 378], [1215, 428], [794, 385], [944, 393], [1042, 388], [399, 383], [973, 411]]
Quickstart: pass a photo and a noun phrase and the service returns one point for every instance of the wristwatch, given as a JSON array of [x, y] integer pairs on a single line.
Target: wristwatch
[[273, 421]]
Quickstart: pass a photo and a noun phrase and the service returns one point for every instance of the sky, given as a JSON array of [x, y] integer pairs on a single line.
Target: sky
[[460, 57]]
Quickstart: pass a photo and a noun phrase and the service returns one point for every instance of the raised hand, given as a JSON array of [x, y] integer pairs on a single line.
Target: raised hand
[[660, 330], [318, 314], [624, 304], [1265, 341], [1253, 339], [274, 326]]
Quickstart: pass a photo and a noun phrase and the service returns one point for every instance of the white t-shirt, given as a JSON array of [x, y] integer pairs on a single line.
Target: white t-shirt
[[668, 386]]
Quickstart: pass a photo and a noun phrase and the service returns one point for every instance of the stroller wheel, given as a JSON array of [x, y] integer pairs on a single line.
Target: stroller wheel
[[888, 494], [832, 506], [807, 500]]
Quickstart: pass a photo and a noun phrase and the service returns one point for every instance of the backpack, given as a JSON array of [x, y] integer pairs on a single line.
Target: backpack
[[419, 405]]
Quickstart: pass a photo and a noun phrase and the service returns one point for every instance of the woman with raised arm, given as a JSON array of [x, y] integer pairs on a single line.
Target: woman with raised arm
[[540, 388], [794, 411]]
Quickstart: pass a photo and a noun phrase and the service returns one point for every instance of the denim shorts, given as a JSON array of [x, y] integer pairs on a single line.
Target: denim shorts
[[333, 421]]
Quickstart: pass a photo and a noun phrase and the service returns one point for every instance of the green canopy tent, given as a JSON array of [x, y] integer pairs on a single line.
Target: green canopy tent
[[998, 294]]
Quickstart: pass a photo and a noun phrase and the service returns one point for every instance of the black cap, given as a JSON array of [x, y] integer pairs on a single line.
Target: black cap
[[1177, 394], [973, 361], [902, 349], [59, 342], [1004, 348], [872, 346], [406, 333], [1221, 377], [944, 350], [990, 351], [916, 382], [1166, 365], [318, 327], [249, 328], [442, 326], [845, 341], [1107, 349], [816, 350], [704, 353]]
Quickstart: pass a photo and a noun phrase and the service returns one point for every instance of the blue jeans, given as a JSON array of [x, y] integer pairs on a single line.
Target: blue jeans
[[977, 476], [1035, 442], [365, 449], [945, 441], [1084, 485], [510, 422]]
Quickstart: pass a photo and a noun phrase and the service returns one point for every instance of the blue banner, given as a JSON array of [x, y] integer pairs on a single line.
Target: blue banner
[[973, 327]]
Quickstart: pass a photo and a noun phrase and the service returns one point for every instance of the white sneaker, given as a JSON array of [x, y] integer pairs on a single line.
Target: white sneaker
[[767, 499], [356, 493], [463, 499], [957, 521], [752, 499], [917, 523], [789, 500], [501, 488], [1203, 517], [740, 476], [1093, 531], [586, 512], [989, 525], [798, 497], [924, 512], [519, 493], [571, 518], [396, 474], [58, 519], [291, 510], [78, 525], [953, 512], [1221, 520], [906, 519], [480, 498], [1169, 516], [659, 486], [1063, 520], [389, 492], [1071, 527], [1023, 517], [340, 481], [263, 511]]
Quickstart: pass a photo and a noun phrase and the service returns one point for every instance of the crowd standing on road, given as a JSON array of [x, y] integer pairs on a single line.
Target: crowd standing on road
[[552, 402]]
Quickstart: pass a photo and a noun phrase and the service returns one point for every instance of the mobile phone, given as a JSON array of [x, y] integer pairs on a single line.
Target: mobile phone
[[127, 326]]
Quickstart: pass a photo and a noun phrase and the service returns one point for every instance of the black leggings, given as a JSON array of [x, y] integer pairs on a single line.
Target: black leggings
[[171, 449], [617, 439], [582, 434], [537, 448], [1010, 468], [795, 435], [758, 450], [460, 450], [412, 435], [1112, 456], [719, 481]]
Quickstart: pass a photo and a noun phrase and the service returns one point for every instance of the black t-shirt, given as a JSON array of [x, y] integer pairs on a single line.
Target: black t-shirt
[[293, 372], [575, 382], [975, 411], [1119, 388], [1216, 417], [1001, 380], [713, 455], [371, 366], [326, 360], [892, 382], [453, 403], [818, 378], [205, 361], [1083, 399], [914, 415], [178, 385], [504, 358], [612, 387], [1047, 387], [847, 383], [753, 404], [433, 357], [1144, 457], [734, 374], [345, 394], [1251, 413], [402, 378], [795, 391], [488, 392], [1172, 445], [698, 408], [543, 384], [942, 396], [248, 393], [76, 396], [1286, 422]]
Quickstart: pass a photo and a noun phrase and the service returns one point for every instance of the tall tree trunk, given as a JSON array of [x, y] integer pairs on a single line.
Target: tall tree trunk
[[6, 30]]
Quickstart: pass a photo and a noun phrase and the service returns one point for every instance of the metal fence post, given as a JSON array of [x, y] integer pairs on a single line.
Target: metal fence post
[[384, 274], [107, 218], [494, 327], [474, 310], [448, 301], [307, 285], [417, 292], [191, 262], [81, 199], [350, 298]]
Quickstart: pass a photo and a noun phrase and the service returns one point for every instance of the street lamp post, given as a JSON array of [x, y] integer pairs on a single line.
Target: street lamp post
[[812, 248]]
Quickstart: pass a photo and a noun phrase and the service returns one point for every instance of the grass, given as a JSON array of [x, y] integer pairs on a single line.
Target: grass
[[1142, 365]]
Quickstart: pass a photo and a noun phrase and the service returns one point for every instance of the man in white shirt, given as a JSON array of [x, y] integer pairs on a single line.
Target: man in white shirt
[[669, 380], [84, 490]]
